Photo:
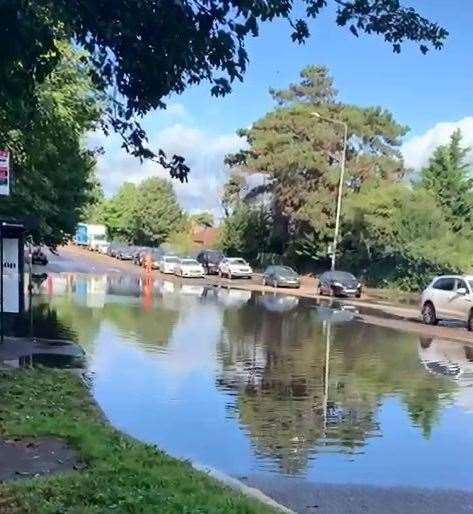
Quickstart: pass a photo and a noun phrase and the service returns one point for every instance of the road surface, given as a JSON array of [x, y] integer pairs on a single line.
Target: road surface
[[78, 260]]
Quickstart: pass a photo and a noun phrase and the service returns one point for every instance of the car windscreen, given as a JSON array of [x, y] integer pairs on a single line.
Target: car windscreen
[[340, 276], [172, 260], [237, 261], [189, 261], [284, 270]]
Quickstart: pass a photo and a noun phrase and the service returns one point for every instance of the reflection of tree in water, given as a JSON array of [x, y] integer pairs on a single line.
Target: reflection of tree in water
[[46, 324], [377, 362], [147, 327], [84, 322], [276, 362], [151, 328]]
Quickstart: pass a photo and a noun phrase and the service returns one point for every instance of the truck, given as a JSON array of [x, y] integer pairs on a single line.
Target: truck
[[97, 238], [80, 237]]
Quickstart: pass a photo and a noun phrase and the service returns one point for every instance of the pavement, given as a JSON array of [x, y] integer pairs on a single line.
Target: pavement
[[27, 458], [18, 352], [311, 498]]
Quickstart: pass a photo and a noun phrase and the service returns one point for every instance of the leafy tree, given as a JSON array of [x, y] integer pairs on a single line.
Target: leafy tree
[[54, 176], [122, 213], [232, 193], [246, 232], [400, 236], [94, 211], [158, 211], [448, 177], [205, 219], [143, 51], [300, 154]]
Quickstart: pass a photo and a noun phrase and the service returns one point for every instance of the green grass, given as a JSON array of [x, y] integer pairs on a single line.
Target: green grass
[[121, 474]]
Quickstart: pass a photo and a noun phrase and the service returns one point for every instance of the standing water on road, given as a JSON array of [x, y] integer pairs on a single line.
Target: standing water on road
[[269, 384]]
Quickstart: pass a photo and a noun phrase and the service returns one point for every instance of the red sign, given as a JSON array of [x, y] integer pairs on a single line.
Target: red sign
[[4, 172]]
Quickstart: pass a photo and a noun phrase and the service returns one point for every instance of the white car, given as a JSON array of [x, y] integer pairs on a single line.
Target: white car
[[102, 247], [448, 297], [189, 268], [234, 267], [167, 264]]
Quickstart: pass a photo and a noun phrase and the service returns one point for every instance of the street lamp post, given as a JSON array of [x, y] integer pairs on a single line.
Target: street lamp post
[[340, 184]]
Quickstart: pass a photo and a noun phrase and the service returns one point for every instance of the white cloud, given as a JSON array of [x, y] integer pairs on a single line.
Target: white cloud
[[204, 153], [418, 149]]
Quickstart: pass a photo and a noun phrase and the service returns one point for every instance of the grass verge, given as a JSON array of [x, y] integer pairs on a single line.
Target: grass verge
[[122, 475]]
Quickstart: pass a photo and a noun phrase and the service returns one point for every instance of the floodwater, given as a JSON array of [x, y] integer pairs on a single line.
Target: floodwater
[[264, 384]]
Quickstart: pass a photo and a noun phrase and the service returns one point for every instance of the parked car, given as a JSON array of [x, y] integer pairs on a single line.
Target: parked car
[[450, 298], [281, 276], [139, 255], [125, 253], [188, 267], [339, 283], [210, 259], [38, 256], [113, 248], [156, 255], [167, 263], [234, 267]]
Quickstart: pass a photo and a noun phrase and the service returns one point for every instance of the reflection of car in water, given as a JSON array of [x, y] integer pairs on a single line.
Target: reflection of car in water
[[277, 302], [452, 360], [124, 285], [233, 297], [336, 313], [447, 358], [189, 289]]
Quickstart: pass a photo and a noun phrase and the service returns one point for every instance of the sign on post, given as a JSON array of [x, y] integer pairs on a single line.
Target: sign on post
[[4, 172]]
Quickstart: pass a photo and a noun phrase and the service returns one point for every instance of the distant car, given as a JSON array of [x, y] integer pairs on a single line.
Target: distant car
[[102, 247], [339, 283], [125, 253], [210, 259], [189, 268], [167, 263], [113, 248], [448, 298], [234, 267], [137, 253], [38, 256], [281, 276], [154, 253]]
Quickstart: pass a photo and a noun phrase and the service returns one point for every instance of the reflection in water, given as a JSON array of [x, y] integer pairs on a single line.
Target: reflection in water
[[263, 383]]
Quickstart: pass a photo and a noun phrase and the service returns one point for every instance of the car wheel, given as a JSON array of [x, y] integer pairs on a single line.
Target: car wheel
[[469, 324], [429, 317]]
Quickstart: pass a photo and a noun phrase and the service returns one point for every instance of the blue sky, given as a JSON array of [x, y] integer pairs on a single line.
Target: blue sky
[[431, 94]]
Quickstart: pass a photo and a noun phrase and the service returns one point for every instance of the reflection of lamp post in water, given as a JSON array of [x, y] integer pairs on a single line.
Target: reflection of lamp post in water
[[327, 329]]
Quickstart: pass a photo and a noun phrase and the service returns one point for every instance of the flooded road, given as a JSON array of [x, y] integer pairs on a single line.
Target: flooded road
[[269, 385]]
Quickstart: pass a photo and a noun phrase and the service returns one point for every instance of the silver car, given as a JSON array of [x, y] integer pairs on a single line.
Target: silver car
[[448, 298]]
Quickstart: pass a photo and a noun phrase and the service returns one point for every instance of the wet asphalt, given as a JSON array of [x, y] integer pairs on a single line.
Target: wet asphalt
[[306, 497]]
